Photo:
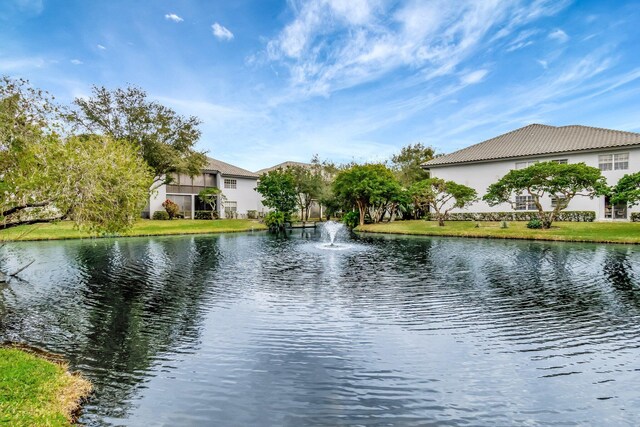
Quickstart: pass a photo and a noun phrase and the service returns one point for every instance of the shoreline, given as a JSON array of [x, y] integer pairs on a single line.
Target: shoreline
[[619, 233], [49, 393], [142, 228]]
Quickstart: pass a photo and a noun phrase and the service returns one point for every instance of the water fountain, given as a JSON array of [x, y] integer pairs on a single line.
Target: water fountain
[[331, 233]]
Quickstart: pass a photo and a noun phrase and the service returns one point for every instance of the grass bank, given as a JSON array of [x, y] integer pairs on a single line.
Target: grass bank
[[35, 391], [66, 229], [599, 232]]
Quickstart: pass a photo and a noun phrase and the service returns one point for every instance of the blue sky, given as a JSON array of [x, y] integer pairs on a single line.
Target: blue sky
[[346, 79]]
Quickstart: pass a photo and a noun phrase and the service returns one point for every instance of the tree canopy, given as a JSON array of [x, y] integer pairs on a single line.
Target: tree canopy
[[278, 190], [308, 184], [163, 138], [627, 190], [442, 196], [560, 181], [93, 180], [407, 164], [368, 187]]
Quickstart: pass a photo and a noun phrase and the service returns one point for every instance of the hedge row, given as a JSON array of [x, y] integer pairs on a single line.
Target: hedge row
[[573, 216], [635, 216]]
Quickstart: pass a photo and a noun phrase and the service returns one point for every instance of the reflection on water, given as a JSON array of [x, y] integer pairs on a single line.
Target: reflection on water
[[264, 330]]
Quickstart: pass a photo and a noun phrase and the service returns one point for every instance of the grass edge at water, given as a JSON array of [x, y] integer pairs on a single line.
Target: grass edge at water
[[37, 388]]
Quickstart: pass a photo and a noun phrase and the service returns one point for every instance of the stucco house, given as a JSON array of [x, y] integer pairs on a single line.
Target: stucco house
[[615, 152], [237, 185]]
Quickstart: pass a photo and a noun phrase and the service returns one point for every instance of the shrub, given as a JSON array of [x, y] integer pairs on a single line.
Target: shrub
[[427, 216], [504, 224], [160, 215], [252, 214], [274, 220], [351, 219], [572, 216], [635, 216], [172, 208], [534, 223], [205, 215]]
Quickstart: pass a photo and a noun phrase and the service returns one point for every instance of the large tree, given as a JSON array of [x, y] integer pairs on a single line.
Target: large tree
[[627, 190], [563, 182], [407, 164], [308, 183], [370, 187], [92, 180], [442, 196], [278, 190], [164, 139]]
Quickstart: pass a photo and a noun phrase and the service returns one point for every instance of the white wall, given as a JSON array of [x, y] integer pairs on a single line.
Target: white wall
[[480, 175], [245, 194], [157, 198]]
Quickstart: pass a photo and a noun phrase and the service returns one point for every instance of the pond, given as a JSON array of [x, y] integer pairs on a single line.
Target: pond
[[253, 329]]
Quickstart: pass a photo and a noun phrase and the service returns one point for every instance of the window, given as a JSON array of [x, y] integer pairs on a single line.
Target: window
[[561, 161], [621, 161], [209, 180], [230, 206], [230, 183], [554, 200], [525, 203], [522, 165], [608, 162]]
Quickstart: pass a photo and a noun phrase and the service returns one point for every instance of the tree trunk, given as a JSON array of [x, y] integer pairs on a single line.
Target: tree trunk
[[361, 209]]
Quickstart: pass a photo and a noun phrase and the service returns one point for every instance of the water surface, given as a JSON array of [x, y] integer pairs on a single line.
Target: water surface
[[253, 329]]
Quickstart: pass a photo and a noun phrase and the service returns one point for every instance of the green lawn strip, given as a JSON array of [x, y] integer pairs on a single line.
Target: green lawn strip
[[37, 392], [600, 232], [66, 229]]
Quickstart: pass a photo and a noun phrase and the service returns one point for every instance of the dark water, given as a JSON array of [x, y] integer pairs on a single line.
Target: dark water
[[246, 330]]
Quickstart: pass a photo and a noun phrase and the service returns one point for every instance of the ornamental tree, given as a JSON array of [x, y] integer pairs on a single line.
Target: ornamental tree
[[370, 187], [278, 190], [550, 179], [209, 196], [164, 139], [308, 183], [627, 190], [442, 196], [93, 180], [407, 164]]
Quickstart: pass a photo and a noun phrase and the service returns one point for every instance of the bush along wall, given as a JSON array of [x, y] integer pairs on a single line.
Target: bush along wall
[[635, 216], [572, 216]]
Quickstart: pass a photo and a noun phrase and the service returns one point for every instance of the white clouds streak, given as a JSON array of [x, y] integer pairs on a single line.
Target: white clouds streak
[[559, 35], [221, 33], [336, 44], [173, 17]]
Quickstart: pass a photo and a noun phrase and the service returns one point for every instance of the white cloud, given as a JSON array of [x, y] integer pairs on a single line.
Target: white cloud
[[17, 64], [76, 62], [221, 32], [336, 44], [474, 77], [544, 64], [559, 35], [101, 47], [173, 17]]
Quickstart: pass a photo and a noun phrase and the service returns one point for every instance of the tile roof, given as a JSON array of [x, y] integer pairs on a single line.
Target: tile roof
[[536, 139], [283, 165], [227, 169]]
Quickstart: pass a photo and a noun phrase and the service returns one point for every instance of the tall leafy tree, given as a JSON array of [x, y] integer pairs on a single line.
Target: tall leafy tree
[[93, 180], [627, 190], [442, 196], [368, 186], [163, 138], [407, 164], [278, 190], [308, 183], [211, 196], [547, 179]]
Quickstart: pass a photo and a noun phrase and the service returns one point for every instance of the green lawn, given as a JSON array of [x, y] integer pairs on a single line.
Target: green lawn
[[602, 232], [66, 229], [37, 392]]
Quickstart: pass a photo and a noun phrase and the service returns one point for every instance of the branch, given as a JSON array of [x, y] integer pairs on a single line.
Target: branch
[[25, 206]]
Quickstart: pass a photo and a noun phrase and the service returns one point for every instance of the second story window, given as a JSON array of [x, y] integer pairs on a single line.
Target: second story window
[[561, 161], [608, 162], [522, 165], [230, 183]]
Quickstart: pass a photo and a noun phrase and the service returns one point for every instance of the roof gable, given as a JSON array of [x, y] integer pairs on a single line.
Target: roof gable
[[537, 139]]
